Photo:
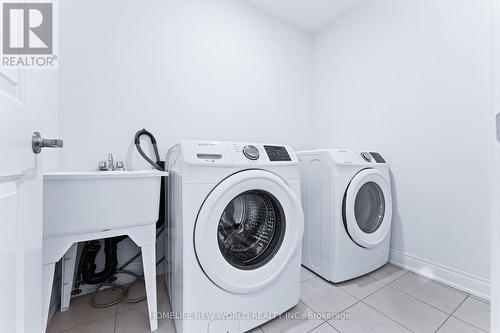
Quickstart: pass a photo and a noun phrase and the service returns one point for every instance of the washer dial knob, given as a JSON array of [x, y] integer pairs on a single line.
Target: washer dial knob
[[251, 152], [366, 156]]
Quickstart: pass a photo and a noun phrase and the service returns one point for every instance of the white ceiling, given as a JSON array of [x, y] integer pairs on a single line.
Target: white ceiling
[[309, 15]]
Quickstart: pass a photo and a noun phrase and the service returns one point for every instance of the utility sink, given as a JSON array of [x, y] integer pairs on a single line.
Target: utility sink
[[82, 206], [90, 202]]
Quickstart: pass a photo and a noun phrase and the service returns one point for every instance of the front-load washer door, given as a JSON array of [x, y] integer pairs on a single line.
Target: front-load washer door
[[367, 208], [247, 231]]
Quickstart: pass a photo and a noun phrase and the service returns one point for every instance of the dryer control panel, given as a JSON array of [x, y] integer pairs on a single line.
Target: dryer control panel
[[354, 157]]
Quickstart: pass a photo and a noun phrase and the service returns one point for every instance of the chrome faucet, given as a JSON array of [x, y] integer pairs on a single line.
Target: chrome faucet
[[111, 165]]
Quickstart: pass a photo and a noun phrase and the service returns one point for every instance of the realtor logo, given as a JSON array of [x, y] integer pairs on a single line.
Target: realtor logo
[[27, 28], [28, 34]]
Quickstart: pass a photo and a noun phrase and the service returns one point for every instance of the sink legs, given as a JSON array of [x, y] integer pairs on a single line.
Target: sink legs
[[47, 281], [149, 265], [55, 248], [68, 276]]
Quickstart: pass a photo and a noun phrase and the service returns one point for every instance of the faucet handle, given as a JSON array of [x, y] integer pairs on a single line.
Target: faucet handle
[[102, 166], [120, 166]]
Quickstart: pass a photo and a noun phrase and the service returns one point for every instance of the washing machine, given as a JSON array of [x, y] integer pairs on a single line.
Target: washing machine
[[235, 226], [347, 201]]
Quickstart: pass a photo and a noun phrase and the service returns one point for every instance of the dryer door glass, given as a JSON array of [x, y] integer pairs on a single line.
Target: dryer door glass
[[251, 229], [369, 207]]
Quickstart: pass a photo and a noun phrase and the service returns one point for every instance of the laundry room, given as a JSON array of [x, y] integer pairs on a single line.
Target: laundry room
[[264, 166]]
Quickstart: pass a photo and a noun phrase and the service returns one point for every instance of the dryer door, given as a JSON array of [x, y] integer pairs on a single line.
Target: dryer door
[[367, 208], [247, 231]]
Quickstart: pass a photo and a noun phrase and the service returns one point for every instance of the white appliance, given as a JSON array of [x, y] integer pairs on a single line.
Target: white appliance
[[235, 226], [347, 203]]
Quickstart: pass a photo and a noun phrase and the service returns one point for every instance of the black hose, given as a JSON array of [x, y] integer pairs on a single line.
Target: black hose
[[90, 251], [161, 210], [159, 165], [137, 141]]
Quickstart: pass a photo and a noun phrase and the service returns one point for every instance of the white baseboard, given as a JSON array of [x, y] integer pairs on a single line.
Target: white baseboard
[[468, 282]]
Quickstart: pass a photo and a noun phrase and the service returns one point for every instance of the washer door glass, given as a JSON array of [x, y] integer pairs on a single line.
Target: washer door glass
[[369, 207], [239, 236], [251, 229]]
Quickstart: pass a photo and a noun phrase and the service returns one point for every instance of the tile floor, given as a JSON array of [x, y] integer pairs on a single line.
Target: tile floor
[[388, 300]]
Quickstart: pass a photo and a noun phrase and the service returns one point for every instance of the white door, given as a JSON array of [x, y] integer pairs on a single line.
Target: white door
[[367, 208], [25, 97], [247, 230]]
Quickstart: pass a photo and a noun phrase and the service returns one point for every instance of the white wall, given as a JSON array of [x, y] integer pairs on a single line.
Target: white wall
[[183, 69], [412, 79]]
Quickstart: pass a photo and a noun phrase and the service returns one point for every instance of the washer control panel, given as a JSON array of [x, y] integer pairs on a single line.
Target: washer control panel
[[235, 153], [251, 152], [277, 153]]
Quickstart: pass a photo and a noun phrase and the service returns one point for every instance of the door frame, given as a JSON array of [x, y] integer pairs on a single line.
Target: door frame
[[495, 150]]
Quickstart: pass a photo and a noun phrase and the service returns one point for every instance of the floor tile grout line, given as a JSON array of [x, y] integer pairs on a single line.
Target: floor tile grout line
[[438, 283], [361, 300], [399, 277], [389, 283], [309, 278], [451, 314], [477, 298], [368, 275], [312, 275], [351, 294], [335, 328], [441, 284], [466, 322], [340, 289], [339, 312], [343, 311], [385, 315], [315, 327], [421, 301], [316, 312], [83, 324], [358, 300], [116, 318], [307, 306], [383, 286], [300, 301]]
